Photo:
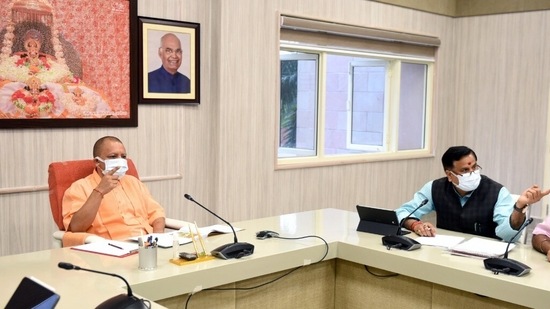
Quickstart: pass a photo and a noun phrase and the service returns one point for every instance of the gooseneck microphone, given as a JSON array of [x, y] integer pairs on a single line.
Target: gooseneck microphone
[[128, 301], [233, 250], [505, 265], [399, 241]]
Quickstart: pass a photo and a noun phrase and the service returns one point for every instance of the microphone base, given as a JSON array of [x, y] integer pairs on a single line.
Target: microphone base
[[506, 266], [235, 250], [400, 242], [122, 301]]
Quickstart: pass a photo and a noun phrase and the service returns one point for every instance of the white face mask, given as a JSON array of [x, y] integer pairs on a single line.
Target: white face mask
[[469, 181], [110, 164]]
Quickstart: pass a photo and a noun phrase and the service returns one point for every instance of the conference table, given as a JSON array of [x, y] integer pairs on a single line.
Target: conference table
[[357, 272]]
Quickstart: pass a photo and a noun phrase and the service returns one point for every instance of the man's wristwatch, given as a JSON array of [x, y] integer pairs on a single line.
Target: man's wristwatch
[[522, 210]]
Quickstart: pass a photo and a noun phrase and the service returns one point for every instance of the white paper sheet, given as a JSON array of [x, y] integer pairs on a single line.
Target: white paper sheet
[[443, 241]]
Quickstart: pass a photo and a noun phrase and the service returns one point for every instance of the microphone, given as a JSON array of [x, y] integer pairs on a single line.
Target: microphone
[[120, 301], [235, 250], [399, 241], [505, 265]]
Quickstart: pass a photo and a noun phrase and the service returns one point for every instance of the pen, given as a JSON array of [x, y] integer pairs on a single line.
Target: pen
[[118, 247]]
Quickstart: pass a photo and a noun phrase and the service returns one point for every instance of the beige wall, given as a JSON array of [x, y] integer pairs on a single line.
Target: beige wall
[[492, 89]]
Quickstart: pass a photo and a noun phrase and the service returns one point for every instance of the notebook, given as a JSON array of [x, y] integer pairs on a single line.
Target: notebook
[[481, 248], [378, 221], [32, 293]]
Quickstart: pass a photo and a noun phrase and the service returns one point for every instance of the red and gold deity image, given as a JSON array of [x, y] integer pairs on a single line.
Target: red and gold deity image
[[62, 59]]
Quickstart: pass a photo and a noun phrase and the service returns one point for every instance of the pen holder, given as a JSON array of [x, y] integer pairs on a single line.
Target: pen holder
[[147, 258]]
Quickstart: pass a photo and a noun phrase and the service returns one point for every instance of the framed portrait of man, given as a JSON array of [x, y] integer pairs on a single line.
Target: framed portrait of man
[[168, 62]]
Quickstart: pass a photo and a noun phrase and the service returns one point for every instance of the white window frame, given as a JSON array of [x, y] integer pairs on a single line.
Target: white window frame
[[391, 104], [369, 148], [285, 152]]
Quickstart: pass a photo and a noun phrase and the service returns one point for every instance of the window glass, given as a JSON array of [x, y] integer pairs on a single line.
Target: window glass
[[368, 115], [298, 109], [412, 106]]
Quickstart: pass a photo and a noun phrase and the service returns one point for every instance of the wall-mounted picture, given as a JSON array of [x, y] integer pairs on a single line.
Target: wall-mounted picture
[[168, 61], [63, 65]]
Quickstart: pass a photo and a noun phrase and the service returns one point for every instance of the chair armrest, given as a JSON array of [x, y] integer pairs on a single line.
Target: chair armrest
[[93, 238], [58, 235], [58, 238], [175, 224]]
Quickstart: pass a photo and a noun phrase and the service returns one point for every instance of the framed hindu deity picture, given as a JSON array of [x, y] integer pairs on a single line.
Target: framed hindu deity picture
[[66, 63], [168, 60]]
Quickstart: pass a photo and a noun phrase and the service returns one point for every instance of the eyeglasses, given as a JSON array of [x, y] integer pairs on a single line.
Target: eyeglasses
[[169, 51], [467, 171]]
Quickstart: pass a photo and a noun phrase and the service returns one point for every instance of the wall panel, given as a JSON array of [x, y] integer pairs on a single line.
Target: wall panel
[[504, 87]]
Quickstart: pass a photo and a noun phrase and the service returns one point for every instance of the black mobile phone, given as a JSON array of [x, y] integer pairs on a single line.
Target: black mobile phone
[[188, 256]]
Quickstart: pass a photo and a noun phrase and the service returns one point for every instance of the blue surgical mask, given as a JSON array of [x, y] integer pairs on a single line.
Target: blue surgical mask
[[110, 164]]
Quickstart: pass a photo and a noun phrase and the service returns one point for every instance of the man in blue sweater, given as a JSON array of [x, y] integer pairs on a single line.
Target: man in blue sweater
[[167, 79]]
